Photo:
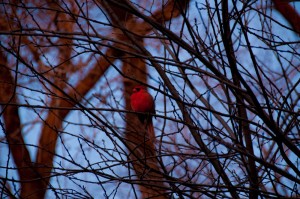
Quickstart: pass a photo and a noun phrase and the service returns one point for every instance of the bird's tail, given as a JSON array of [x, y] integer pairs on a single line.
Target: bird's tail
[[150, 130]]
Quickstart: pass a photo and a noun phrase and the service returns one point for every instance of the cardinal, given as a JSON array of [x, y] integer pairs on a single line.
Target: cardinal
[[142, 102]]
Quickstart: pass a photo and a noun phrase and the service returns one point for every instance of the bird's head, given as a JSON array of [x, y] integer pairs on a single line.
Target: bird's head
[[138, 88]]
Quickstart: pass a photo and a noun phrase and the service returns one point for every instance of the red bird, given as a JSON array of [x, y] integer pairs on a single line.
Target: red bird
[[141, 101]]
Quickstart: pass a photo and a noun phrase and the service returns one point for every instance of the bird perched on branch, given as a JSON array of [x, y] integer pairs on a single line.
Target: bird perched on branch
[[142, 102]]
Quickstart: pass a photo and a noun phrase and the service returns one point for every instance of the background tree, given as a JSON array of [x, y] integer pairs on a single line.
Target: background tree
[[224, 75]]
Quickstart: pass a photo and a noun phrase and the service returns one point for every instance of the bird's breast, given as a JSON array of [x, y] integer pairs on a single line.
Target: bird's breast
[[142, 102]]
